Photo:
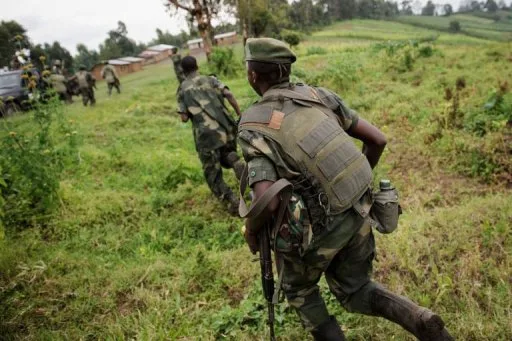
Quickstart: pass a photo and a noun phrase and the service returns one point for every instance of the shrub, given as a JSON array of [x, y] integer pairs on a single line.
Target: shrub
[[293, 38], [31, 165], [223, 63], [316, 50], [454, 26]]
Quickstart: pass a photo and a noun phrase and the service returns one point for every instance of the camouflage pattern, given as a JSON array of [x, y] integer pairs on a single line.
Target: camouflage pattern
[[313, 243], [344, 252], [178, 70], [212, 162], [200, 97], [59, 83], [109, 73], [113, 85], [86, 83]]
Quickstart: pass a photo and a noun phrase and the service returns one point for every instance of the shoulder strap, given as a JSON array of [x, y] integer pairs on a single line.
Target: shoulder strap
[[282, 186]]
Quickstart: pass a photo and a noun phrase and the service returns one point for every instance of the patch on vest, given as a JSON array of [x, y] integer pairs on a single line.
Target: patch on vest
[[276, 120], [257, 114]]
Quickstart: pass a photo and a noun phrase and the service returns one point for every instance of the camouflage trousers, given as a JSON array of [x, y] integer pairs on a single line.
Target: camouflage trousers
[[343, 252], [87, 96], [113, 85], [213, 161]]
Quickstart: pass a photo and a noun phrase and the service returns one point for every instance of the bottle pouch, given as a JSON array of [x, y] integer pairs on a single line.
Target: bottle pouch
[[386, 210]]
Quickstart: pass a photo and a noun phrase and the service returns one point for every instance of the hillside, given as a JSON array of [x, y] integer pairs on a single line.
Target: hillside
[[140, 249]]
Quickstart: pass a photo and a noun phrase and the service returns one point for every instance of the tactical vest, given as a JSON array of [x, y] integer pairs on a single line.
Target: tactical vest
[[82, 79], [309, 132]]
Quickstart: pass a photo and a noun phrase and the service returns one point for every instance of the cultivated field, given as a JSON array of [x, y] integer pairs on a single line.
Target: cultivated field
[[140, 249]]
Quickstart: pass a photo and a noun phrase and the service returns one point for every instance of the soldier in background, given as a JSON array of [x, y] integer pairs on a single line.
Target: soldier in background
[[57, 67], [110, 75], [176, 61], [200, 99], [59, 84], [86, 82]]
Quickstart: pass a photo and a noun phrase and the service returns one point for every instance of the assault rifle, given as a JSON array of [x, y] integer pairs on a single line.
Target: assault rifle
[[283, 188], [267, 277]]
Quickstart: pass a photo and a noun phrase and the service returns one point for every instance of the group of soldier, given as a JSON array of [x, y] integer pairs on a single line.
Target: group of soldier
[[299, 138], [81, 83]]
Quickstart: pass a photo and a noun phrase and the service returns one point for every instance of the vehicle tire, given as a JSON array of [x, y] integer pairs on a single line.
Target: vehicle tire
[[11, 109]]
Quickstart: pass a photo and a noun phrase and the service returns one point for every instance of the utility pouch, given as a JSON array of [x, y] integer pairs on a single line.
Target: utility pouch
[[386, 210]]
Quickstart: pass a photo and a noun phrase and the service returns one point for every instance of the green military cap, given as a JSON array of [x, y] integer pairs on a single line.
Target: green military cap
[[268, 50]]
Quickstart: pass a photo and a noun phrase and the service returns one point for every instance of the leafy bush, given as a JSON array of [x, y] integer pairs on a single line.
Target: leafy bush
[[31, 165], [494, 115], [316, 50], [340, 73], [223, 62], [454, 26], [293, 38], [401, 55]]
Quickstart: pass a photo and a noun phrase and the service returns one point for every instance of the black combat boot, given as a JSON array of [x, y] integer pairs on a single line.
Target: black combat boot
[[330, 330], [419, 321]]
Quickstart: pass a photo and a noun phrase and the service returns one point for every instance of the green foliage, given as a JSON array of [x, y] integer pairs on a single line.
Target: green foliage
[[293, 38], [223, 62], [32, 164], [316, 50], [455, 26], [141, 249], [401, 55], [494, 115]]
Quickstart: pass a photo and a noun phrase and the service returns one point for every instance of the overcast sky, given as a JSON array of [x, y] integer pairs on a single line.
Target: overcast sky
[[87, 21]]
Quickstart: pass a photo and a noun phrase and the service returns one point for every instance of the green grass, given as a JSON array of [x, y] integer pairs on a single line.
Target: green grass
[[470, 25], [140, 249]]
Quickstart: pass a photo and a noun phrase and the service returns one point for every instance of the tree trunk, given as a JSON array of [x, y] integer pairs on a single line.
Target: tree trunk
[[204, 25]]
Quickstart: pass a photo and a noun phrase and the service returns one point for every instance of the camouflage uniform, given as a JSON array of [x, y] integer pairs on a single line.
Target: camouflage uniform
[[110, 75], [59, 84], [86, 83], [176, 61], [306, 250], [315, 240], [214, 131]]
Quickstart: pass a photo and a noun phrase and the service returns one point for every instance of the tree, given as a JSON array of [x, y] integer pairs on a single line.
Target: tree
[[118, 44], [475, 6], [57, 51], [429, 9], [9, 44], [86, 57], [448, 10], [502, 4], [201, 12], [406, 7], [491, 6]]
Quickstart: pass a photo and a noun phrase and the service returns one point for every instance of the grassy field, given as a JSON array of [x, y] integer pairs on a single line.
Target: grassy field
[[470, 25], [139, 249]]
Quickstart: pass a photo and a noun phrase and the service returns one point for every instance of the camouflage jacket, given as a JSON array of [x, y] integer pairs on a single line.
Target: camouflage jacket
[[266, 159], [109, 73], [59, 82], [176, 61], [200, 97]]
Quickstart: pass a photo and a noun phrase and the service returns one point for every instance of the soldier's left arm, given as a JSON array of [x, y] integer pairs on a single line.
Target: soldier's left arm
[[227, 94], [182, 109], [374, 141]]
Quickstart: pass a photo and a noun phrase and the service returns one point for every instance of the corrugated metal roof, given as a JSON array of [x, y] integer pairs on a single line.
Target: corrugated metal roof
[[194, 41], [146, 54], [118, 62], [160, 47], [225, 35], [131, 59]]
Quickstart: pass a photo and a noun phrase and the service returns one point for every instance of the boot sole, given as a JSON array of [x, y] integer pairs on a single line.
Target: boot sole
[[433, 329]]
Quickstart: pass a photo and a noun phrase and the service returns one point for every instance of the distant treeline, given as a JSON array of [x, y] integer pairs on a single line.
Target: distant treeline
[[256, 17]]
